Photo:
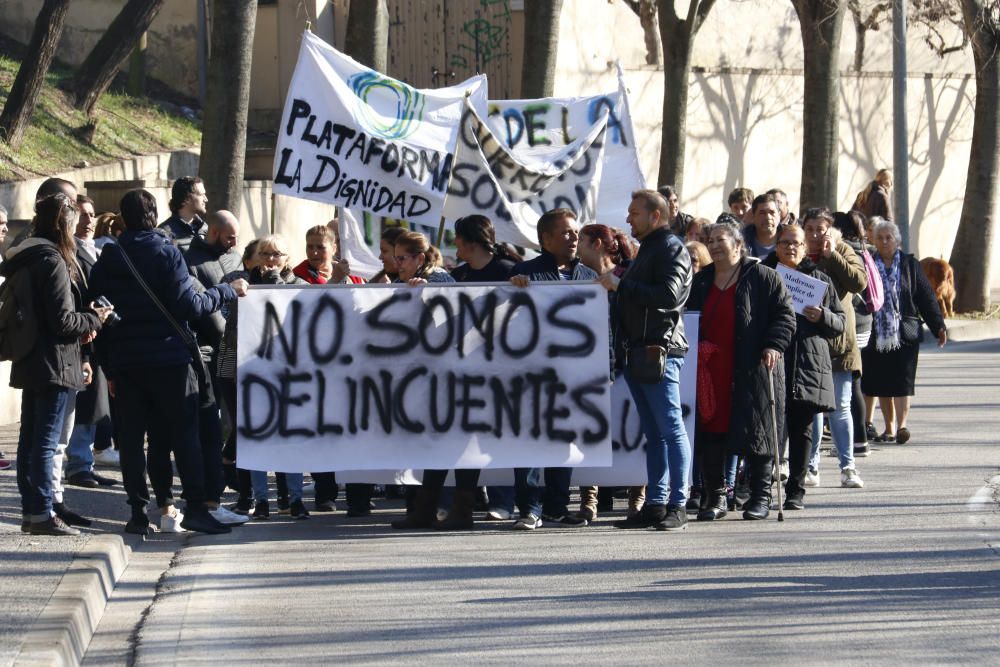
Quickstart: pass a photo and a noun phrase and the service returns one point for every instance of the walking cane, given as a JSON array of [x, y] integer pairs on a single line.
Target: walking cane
[[777, 445]]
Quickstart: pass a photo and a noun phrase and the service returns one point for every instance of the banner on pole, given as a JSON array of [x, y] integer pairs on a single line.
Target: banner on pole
[[515, 189], [468, 376], [359, 139]]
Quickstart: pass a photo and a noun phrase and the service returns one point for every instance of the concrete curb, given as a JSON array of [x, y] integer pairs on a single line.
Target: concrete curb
[[61, 633], [965, 331]]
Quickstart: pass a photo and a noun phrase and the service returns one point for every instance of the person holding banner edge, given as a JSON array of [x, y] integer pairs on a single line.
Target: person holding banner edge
[[558, 236], [650, 301]]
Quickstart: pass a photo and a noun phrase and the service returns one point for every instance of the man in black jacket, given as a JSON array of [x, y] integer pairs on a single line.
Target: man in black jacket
[[650, 306], [188, 202]]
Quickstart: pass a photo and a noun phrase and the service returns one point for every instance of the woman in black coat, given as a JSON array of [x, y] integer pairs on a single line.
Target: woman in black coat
[[52, 370], [808, 368], [747, 322], [890, 360]]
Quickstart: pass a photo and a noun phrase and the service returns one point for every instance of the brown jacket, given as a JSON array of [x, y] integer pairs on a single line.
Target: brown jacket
[[847, 272]]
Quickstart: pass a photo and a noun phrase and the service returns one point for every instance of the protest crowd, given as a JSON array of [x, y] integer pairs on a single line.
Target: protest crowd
[[127, 354]]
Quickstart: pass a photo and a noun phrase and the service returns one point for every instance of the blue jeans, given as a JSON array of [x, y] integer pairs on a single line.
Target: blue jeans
[[549, 498], [79, 457], [258, 479], [668, 451], [42, 414], [501, 497], [841, 424]]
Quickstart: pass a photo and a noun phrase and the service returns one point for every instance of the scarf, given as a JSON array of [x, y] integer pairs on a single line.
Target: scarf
[[887, 318]]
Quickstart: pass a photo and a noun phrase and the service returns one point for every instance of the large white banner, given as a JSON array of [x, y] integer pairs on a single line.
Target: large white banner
[[357, 138], [393, 377], [628, 467], [514, 190], [530, 127]]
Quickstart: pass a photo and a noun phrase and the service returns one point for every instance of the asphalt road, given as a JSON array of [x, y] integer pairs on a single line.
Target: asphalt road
[[904, 571]]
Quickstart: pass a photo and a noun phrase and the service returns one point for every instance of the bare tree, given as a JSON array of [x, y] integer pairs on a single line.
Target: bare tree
[[224, 132], [677, 36], [30, 76], [646, 11], [821, 23], [971, 256], [99, 67], [863, 23], [368, 33], [541, 45]]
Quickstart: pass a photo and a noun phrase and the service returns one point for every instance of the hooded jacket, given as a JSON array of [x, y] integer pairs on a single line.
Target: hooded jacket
[[55, 359]]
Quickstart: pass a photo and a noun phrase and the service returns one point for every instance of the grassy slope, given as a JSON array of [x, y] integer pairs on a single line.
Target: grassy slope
[[125, 126]]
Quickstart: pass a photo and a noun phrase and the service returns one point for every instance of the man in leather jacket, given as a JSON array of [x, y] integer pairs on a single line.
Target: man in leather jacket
[[650, 305]]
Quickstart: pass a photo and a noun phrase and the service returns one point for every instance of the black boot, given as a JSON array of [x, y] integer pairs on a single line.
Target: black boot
[[759, 505], [714, 508], [423, 513], [463, 502], [70, 517]]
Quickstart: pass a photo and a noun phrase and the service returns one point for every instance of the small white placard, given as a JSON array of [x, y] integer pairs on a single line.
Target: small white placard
[[805, 291]]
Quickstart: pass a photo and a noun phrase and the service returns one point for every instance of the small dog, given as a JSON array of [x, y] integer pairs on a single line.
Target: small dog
[[942, 279]]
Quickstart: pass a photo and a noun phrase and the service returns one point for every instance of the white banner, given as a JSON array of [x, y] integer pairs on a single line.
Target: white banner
[[628, 443], [468, 376], [363, 261], [531, 126], [357, 138], [514, 190]]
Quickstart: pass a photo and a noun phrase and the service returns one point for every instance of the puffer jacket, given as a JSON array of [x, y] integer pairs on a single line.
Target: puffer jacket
[[652, 293], [55, 359], [764, 319], [145, 338], [808, 369], [847, 272]]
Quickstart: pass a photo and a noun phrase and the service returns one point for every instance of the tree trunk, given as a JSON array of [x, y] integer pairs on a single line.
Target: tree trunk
[[98, 69], [224, 131], [541, 46], [368, 33], [821, 23], [31, 75], [677, 37], [971, 256]]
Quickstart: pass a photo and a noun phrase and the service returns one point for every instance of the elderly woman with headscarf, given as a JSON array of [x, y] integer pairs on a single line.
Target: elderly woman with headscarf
[[890, 360]]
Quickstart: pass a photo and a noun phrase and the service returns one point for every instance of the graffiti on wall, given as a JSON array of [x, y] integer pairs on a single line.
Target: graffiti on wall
[[484, 38]]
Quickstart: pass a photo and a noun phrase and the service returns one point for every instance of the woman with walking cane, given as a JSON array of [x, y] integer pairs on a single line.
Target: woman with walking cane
[[747, 323]]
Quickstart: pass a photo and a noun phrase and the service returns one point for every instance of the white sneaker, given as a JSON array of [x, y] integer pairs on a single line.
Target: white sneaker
[[849, 479], [498, 514], [171, 523], [812, 478], [529, 522], [442, 515], [107, 457], [227, 517]]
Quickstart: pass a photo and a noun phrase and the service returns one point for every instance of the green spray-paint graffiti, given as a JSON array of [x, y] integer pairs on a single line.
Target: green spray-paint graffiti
[[375, 110]]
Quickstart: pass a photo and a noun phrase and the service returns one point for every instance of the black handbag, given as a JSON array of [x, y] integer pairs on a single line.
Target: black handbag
[[646, 363], [910, 329], [206, 397]]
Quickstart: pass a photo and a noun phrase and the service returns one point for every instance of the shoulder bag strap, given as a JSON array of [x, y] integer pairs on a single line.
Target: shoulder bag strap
[[183, 333]]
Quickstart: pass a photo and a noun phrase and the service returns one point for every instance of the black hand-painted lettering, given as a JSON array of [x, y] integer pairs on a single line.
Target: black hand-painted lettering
[[427, 323], [374, 320], [381, 397], [596, 387], [286, 400], [467, 404], [442, 425], [507, 402], [300, 109], [289, 339], [322, 426], [399, 401], [483, 321], [267, 426], [282, 177], [317, 185], [583, 348], [520, 299], [553, 412]]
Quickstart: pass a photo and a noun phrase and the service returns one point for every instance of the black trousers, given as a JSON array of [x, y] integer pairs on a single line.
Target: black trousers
[[858, 411], [710, 452], [800, 426], [464, 479], [163, 403]]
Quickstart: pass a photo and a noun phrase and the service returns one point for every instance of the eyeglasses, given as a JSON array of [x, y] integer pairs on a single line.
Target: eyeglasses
[[273, 255], [791, 244], [402, 258]]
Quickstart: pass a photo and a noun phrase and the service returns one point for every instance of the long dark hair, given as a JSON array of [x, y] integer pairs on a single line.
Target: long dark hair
[[479, 229], [616, 244], [55, 220]]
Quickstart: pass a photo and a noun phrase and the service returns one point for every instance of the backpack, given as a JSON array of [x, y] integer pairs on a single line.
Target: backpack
[[18, 323], [874, 294]]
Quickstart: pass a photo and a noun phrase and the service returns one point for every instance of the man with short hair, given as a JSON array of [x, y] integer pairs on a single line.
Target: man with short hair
[[762, 236], [209, 259], [677, 220], [740, 200], [188, 203], [786, 216], [650, 300], [558, 236]]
